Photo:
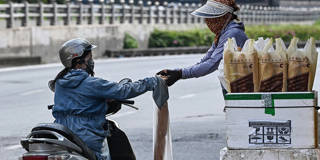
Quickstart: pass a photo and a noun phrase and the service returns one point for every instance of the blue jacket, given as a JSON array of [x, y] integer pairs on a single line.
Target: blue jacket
[[210, 62], [80, 103]]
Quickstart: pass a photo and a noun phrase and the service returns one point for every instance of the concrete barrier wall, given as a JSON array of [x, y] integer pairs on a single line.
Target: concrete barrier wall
[[45, 41]]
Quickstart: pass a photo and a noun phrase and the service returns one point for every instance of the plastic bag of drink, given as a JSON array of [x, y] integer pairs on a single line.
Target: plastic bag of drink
[[162, 142], [312, 54], [272, 66], [298, 68], [240, 67]]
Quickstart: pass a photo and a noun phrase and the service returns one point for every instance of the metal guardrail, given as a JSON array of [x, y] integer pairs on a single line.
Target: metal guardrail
[[22, 14]]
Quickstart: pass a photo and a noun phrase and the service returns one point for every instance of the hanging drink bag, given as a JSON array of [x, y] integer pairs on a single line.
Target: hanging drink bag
[[240, 69], [271, 69], [298, 68], [312, 54]]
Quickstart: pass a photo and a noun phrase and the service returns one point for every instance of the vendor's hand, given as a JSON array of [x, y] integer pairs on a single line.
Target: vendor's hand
[[172, 76]]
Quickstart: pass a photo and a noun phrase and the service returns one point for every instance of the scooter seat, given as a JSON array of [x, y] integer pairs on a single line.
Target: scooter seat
[[66, 132]]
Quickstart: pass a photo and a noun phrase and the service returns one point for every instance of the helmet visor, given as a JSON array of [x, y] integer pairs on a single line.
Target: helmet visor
[[90, 47]]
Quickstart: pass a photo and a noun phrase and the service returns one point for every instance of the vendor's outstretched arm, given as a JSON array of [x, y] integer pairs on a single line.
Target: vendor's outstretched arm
[[211, 61], [207, 65]]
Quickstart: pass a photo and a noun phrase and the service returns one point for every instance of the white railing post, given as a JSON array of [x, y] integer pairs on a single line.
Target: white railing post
[[132, 17], [186, 7], [40, 18], [68, 18], [254, 11], [112, 18], [91, 20], [123, 16], [150, 16], [55, 14], [167, 12], [180, 13], [157, 20], [102, 16], [199, 20], [173, 16], [80, 15], [10, 20], [193, 6], [26, 14], [141, 11]]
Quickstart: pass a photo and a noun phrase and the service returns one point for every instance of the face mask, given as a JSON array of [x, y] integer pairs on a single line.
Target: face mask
[[216, 25], [90, 67]]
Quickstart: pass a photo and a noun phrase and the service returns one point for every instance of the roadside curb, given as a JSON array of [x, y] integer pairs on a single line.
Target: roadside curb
[[19, 61]]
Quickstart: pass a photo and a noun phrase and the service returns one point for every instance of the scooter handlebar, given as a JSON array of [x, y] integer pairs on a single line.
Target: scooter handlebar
[[125, 101], [130, 102]]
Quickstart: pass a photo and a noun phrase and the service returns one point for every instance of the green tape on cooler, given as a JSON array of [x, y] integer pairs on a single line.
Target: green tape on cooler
[[284, 95], [293, 96], [268, 103]]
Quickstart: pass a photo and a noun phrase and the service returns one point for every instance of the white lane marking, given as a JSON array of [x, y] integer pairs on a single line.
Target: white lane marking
[[123, 114], [31, 92], [12, 147], [187, 96]]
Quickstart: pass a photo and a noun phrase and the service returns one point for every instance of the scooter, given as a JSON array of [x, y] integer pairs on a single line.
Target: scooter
[[52, 141]]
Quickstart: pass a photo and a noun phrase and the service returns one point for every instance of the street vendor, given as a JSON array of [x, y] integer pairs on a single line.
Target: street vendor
[[221, 20]]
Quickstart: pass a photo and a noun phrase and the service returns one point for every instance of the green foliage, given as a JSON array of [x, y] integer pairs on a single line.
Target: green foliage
[[129, 42], [286, 32], [197, 37], [317, 23], [205, 38], [61, 1]]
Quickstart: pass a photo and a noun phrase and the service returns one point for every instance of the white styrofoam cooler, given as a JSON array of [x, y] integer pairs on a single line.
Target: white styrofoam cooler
[[251, 126]]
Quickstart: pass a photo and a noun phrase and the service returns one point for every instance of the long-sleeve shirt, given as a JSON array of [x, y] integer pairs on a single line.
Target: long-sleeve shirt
[[80, 103], [210, 62]]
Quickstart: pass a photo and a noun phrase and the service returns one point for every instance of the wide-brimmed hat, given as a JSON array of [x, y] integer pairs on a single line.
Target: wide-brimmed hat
[[212, 9]]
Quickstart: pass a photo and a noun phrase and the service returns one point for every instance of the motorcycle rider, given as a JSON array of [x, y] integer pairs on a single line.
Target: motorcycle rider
[[81, 100]]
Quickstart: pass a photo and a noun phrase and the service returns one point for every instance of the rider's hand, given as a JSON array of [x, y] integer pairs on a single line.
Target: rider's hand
[[164, 78], [172, 76]]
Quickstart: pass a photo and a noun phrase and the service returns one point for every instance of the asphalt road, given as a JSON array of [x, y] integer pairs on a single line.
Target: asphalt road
[[195, 106]]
